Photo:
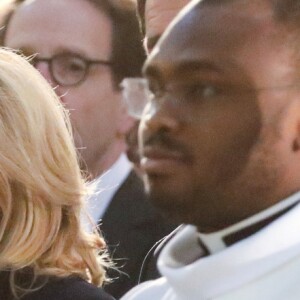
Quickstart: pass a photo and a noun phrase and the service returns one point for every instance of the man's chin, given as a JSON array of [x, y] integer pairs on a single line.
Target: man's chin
[[169, 205]]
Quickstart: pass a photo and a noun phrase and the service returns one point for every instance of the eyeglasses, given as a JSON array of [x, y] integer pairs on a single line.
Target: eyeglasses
[[136, 94], [190, 98], [68, 69]]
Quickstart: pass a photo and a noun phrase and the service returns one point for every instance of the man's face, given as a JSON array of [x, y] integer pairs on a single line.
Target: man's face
[[158, 15], [53, 27], [214, 143]]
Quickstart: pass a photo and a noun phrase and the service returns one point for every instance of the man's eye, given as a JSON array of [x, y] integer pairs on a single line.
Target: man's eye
[[202, 91], [75, 66]]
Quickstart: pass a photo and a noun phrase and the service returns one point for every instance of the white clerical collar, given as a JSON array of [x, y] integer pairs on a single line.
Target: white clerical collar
[[215, 241]]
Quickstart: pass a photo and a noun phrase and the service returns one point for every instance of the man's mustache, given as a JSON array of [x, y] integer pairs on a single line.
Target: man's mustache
[[163, 141]]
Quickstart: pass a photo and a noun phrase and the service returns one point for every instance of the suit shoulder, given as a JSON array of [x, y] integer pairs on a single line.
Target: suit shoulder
[[68, 289]]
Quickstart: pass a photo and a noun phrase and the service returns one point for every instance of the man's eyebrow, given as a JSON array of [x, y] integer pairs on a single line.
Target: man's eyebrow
[[152, 41], [183, 67], [196, 66]]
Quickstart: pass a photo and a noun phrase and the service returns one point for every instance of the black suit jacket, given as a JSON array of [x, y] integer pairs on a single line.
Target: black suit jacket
[[51, 288], [131, 226]]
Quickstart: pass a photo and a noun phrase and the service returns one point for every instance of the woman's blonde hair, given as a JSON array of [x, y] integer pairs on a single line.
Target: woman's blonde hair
[[41, 186]]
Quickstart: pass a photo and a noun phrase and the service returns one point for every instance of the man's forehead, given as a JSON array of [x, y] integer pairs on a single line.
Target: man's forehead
[[32, 28], [212, 29]]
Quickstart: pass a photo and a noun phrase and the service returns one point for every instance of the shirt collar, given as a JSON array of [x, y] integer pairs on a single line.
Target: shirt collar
[[216, 241], [105, 187]]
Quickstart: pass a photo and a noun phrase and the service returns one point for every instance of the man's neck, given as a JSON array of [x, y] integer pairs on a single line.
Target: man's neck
[[97, 166]]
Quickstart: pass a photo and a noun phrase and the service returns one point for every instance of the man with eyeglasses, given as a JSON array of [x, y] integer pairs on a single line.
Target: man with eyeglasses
[[84, 48], [220, 146]]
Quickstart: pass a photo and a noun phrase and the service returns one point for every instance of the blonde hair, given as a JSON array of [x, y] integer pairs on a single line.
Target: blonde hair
[[41, 186]]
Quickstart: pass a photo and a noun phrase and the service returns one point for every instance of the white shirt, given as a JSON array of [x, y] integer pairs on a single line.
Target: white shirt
[[105, 187], [264, 266]]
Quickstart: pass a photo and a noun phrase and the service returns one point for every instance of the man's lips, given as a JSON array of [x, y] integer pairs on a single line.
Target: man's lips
[[158, 160]]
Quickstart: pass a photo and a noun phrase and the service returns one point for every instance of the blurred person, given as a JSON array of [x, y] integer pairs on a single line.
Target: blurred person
[[44, 251], [155, 16], [220, 146], [84, 49]]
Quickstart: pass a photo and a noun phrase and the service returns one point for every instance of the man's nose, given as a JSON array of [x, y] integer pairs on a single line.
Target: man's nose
[[162, 116]]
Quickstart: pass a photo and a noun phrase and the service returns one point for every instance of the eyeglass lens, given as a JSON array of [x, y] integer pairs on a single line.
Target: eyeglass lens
[[135, 95], [68, 70]]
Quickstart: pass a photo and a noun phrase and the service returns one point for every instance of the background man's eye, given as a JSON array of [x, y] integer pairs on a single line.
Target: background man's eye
[[75, 66]]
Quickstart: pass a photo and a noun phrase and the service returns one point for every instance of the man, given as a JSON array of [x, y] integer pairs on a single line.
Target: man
[[220, 144], [84, 49], [154, 17]]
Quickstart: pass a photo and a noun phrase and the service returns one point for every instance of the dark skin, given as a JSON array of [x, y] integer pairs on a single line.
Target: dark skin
[[213, 145]]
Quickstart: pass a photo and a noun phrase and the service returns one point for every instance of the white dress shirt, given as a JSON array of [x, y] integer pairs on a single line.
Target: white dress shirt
[[264, 266], [105, 187]]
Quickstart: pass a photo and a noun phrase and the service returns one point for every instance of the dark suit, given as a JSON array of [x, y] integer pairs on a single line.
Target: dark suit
[[131, 227], [51, 288]]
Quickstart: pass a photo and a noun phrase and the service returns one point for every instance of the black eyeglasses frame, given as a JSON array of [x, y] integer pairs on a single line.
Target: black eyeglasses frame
[[34, 60]]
